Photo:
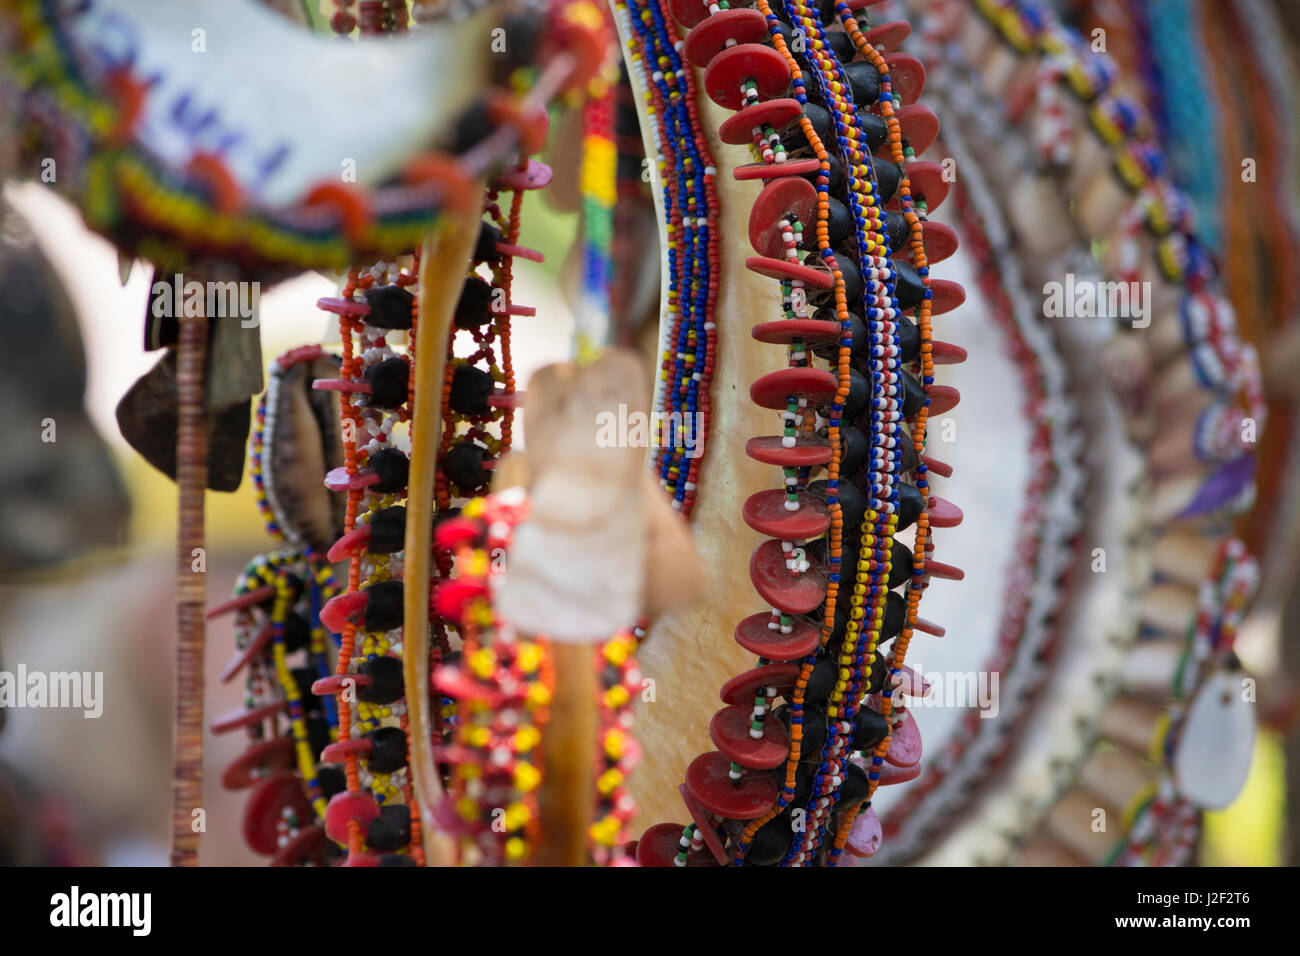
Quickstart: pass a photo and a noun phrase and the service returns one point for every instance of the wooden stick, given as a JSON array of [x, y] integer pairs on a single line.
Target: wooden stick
[[443, 262], [568, 745], [191, 593]]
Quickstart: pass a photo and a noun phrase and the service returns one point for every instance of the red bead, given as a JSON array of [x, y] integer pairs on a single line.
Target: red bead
[[780, 200], [346, 806], [770, 449], [746, 61], [793, 594], [708, 780], [766, 513], [904, 743], [738, 129], [265, 807], [709, 38], [746, 686]]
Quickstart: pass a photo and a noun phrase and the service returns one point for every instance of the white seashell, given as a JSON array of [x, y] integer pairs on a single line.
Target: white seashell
[[1216, 743]]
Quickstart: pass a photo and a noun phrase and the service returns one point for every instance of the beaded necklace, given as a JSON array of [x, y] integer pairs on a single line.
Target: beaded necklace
[[879, 308], [690, 202]]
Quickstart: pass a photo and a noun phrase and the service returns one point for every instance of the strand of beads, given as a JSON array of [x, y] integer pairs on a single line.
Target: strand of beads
[[880, 307], [690, 202], [375, 393]]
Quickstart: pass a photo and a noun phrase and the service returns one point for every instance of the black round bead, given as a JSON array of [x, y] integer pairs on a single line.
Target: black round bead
[[383, 606], [388, 380], [387, 530], [821, 682], [888, 176], [392, 467], [792, 135], [864, 82], [896, 230], [396, 859], [814, 734], [876, 130], [391, 830], [855, 403], [909, 339], [318, 734], [856, 785], [386, 680], [908, 287], [331, 780], [463, 466], [389, 753], [841, 45], [869, 729], [485, 247], [771, 842], [853, 450], [474, 308], [910, 504], [900, 559], [830, 351], [470, 388], [390, 307], [913, 395]]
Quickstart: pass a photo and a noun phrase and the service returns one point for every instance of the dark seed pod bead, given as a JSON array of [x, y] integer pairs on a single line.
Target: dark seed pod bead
[[900, 559], [908, 286], [859, 394], [913, 395], [879, 673], [474, 307], [909, 339], [485, 247], [318, 733], [830, 351], [297, 632], [390, 307], [392, 467], [852, 279], [463, 466], [841, 45], [910, 459], [856, 786], [853, 504], [891, 625], [803, 781], [864, 82], [910, 504], [814, 734], [839, 226], [394, 859], [470, 388], [821, 682], [387, 530], [391, 830], [331, 780], [888, 176], [869, 729], [875, 129], [835, 172], [792, 135], [897, 231], [853, 449], [385, 685], [771, 843], [389, 753], [383, 606], [388, 380]]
